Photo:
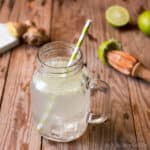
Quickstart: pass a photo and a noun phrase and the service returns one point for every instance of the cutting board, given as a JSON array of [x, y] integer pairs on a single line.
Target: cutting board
[[7, 41]]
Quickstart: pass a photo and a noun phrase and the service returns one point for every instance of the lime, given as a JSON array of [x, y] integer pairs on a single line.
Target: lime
[[106, 46], [117, 16], [144, 22]]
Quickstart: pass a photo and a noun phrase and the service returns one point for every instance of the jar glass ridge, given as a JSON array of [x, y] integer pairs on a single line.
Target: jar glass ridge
[[59, 49]]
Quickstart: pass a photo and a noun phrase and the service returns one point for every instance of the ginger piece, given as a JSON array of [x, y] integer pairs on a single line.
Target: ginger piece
[[29, 23], [35, 36], [16, 29]]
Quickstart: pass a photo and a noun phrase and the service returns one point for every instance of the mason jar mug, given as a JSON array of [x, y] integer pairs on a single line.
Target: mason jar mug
[[61, 95]]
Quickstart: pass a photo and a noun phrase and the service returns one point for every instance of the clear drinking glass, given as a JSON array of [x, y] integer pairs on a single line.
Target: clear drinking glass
[[61, 95]]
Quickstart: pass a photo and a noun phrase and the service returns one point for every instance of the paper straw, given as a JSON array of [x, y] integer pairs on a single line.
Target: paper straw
[[46, 114], [72, 58], [80, 41]]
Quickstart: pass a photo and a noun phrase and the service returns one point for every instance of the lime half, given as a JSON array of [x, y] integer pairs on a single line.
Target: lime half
[[105, 47], [117, 16]]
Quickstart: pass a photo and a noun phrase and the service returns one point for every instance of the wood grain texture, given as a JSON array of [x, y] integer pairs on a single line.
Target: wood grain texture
[[136, 43], [17, 131], [4, 59], [121, 128], [139, 93], [16, 128], [119, 133]]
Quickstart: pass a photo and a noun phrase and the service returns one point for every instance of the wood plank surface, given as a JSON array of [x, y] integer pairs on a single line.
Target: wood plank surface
[[121, 128], [16, 130], [138, 44], [119, 133], [4, 59], [128, 127]]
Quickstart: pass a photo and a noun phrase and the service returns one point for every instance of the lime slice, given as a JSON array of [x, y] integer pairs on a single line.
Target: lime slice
[[117, 16], [106, 46]]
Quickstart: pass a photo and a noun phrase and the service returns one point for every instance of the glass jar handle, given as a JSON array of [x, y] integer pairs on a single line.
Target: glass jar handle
[[102, 86]]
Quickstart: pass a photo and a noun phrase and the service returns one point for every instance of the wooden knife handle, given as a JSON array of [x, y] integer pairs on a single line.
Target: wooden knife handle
[[141, 71]]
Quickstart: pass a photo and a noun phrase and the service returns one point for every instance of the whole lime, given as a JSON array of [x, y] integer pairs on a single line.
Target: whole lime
[[144, 22]]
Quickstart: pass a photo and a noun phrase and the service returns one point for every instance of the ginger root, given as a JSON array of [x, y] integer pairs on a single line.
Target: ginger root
[[35, 36], [29, 23], [16, 29], [28, 31]]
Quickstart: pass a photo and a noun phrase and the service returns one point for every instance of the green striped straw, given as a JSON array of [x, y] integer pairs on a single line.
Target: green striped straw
[[72, 58], [80, 41]]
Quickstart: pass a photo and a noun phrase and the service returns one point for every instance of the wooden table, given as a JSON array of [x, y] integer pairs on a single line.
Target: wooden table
[[129, 125]]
